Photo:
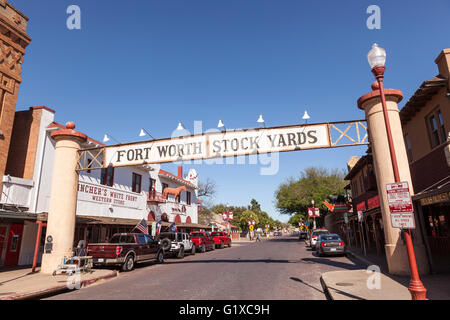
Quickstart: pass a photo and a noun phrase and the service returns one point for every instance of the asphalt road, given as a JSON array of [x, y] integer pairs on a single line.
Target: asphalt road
[[275, 269]]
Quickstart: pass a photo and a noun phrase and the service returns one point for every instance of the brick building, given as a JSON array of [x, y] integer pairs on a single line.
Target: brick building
[[426, 122], [13, 41]]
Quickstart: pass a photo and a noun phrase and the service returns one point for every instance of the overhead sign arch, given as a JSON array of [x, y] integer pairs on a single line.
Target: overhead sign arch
[[226, 144]]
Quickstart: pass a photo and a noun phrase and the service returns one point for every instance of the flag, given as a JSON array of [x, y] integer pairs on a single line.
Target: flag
[[142, 226], [158, 227], [173, 227]]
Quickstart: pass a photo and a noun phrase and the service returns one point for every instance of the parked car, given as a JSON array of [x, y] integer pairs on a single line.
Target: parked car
[[203, 241], [303, 235], [330, 244], [314, 235], [125, 250], [176, 243], [277, 233], [221, 239]]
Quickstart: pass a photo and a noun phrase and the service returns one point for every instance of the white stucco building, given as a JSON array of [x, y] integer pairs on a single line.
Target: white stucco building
[[109, 200]]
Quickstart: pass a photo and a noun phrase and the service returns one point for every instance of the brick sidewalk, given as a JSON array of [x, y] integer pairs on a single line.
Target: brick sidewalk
[[21, 284]]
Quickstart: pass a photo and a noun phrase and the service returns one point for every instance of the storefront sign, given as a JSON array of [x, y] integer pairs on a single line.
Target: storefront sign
[[373, 202], [106, 195], [220, 144], [400, 205], [443, 197]]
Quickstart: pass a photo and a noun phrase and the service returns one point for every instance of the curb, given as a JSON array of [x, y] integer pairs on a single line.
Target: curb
[[325, 289], [58, 289]]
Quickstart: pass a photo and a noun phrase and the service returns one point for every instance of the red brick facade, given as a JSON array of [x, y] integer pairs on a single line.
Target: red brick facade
[[13, 41]]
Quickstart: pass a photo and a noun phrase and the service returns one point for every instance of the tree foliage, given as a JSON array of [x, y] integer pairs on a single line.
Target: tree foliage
[[315, 183]]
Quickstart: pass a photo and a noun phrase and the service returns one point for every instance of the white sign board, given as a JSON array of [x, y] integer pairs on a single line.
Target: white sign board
[[400, 205], [105, 195], [219, 144]]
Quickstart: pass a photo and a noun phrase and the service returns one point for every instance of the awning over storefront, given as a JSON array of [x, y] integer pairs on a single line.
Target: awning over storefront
[[437, 193]]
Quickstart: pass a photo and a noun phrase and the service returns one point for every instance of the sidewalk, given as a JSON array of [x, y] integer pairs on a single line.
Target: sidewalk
[[352, 285], [21, 284]]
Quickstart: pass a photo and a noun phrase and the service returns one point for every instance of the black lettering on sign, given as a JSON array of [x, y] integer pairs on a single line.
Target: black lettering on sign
[[301, 138], [312, 136], [272, 139], [216, 147]]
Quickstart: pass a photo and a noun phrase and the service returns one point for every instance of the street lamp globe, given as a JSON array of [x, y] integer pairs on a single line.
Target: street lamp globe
[[376, 56], [312, 202]]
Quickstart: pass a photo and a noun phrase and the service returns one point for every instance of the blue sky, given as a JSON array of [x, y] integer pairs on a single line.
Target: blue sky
[[154, 63]]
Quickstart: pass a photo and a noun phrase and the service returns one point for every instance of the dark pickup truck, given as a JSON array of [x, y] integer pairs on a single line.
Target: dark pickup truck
[[125, 250]]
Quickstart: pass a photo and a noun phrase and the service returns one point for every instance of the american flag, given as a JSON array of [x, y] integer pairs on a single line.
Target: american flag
[[142, 226]]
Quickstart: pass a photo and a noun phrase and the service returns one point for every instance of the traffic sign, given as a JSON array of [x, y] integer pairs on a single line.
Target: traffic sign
[[314, 212], [400, 205], [251, 228]]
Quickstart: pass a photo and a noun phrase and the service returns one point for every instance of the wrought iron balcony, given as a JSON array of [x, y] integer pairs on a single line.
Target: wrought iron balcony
[[156, 197]]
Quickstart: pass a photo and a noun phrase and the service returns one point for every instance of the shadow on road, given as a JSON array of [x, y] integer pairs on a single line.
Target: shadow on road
[[284, 240]]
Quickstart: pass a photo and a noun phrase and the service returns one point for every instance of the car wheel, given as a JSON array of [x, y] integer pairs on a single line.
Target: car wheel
[[160, 257], [222, 245], [129, 263], [203, 248], [213, 247], [229, 245], [193, 250], [166, 244], [180, 254]]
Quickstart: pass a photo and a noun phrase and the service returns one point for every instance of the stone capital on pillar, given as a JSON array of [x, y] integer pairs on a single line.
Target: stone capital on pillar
[[63, 197], [396, 253]]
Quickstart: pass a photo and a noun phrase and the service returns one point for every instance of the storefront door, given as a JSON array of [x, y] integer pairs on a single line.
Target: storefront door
[[13, 247], [3, 235]]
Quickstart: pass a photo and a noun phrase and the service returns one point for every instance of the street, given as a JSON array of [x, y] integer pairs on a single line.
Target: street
[[280, 268]]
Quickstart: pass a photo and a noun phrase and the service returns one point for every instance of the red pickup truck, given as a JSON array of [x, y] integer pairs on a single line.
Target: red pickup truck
[[202, 241], [125, 250], [221, 239]]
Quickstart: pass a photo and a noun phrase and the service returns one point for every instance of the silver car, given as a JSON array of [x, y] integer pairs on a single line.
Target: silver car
[[330, 244]]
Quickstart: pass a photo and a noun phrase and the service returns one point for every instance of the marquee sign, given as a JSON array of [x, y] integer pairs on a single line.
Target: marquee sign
[[226, 144]]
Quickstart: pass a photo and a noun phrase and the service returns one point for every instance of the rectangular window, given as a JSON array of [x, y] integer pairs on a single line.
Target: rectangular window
[[89, 165], [188, 198], [152, 185], [136, 183], [164, 185], [436, 129], [107, 177], [408, 148]]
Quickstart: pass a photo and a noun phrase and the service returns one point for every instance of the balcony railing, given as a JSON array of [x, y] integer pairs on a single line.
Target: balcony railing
[[156, 197]]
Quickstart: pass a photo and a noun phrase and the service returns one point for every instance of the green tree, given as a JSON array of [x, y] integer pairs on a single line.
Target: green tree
[[294, 196], [246, 217]]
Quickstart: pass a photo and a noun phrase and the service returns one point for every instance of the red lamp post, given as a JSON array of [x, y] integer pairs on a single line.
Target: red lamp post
[[377, 60]]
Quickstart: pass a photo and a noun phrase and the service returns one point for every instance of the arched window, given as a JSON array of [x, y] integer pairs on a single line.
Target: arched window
[[188, 220], [164, 217], [151, 216], [178, 219]]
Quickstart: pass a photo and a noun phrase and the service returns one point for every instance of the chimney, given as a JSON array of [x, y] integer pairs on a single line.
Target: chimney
[[443, 63], [180, 172]]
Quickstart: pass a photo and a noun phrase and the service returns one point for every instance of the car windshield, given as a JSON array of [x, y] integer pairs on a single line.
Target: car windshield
[[196, 234], [333, 237]]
